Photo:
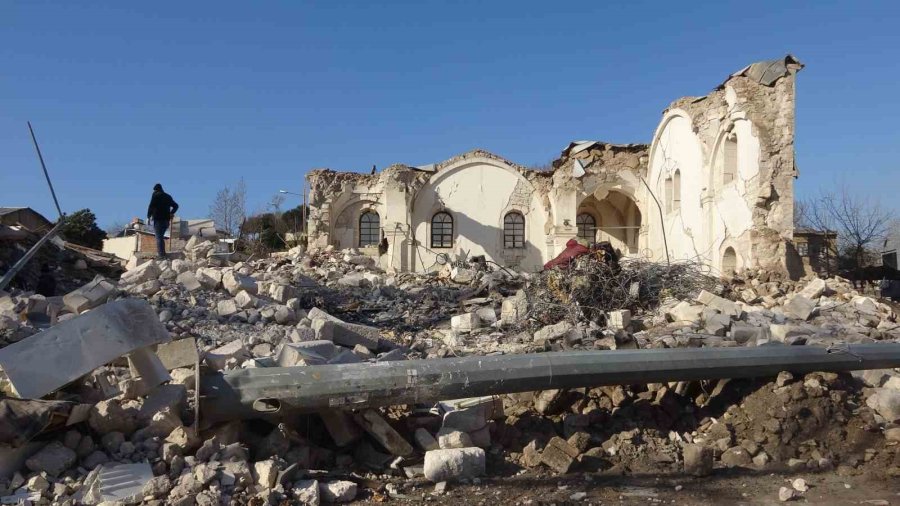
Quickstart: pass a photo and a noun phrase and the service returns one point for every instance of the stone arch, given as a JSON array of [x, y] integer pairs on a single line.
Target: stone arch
[[617, 217], [344, 227], [729, 261]]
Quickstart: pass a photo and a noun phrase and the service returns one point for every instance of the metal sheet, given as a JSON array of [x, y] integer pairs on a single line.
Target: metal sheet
[[44, 362]]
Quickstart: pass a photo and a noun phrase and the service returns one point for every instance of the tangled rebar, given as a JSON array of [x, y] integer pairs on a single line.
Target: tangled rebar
[[590, 285]]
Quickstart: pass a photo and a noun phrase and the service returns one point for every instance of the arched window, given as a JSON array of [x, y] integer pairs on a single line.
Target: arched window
[[442, 230], [676, 190], [369, 229], [587, 227], [729, 158], [514, 230], [729, 262], [668, 194]]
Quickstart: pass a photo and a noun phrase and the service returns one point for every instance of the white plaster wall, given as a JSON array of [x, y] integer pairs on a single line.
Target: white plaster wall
[[122, 247], [478, 194], [676, 146]]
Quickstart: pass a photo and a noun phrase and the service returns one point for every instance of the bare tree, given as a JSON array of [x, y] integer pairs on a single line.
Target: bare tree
[[229, 209], [860, 222]]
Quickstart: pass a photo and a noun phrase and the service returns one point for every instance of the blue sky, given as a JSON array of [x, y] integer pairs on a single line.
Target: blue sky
[[197, 95]]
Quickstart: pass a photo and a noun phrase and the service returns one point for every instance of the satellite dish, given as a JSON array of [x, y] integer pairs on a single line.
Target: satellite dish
[[578, 169]]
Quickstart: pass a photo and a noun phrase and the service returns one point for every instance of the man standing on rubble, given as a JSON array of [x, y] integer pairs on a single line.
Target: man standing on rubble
[[162, 208]]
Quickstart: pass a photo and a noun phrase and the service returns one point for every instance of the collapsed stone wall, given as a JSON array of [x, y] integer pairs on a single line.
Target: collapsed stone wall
[[767, 100]]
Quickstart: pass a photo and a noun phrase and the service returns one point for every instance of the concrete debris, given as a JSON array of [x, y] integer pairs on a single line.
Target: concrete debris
[[337, 307]]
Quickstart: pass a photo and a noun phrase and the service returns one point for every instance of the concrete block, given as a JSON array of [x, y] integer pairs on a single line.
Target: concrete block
[[305, 353], [559, 455], [814, 289], [454, 464], [89, 296], [465, 322], [218, 357], [189, 281], [799, 307], [618, 320]]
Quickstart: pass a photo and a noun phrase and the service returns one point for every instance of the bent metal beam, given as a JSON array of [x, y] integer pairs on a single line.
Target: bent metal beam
[[270, 392]]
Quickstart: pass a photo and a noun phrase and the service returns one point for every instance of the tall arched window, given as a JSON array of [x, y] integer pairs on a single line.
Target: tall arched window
[[369, 229], [442, 230], [514, 230], [676, 190], [668, 194], [587, 227], [729, 158]]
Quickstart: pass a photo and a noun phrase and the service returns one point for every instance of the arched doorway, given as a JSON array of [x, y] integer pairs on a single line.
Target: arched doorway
[[729, 262], [615, 217]]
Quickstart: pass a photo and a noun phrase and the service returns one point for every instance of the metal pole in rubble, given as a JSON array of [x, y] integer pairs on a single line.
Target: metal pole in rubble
[[44, 166], [662, 221], [270, 392], [11, 273]]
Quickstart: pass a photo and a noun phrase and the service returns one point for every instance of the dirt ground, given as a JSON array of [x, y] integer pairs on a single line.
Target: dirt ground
[[734, 486]]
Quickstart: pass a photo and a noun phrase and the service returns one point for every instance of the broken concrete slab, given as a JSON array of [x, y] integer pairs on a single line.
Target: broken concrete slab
[[235, 283], [219, 357], [179, 353], [373, 423], [814, 289], [49, 360], [340, 425], [466, 322], [559, 455]]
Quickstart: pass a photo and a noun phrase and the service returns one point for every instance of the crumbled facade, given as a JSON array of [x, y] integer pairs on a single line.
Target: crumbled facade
[[715, 184]]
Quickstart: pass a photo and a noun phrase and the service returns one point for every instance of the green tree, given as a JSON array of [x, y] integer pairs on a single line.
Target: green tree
[[81, 228]]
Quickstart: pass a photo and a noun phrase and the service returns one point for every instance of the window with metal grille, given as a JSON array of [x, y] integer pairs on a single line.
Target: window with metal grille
[[442, 230], [587, 227], [514, 230], [369, 229]]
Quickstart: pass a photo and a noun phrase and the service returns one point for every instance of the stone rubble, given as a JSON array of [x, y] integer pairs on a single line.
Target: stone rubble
[[299, 310]]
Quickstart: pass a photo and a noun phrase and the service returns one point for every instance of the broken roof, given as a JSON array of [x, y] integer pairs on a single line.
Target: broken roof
[[769, 71]]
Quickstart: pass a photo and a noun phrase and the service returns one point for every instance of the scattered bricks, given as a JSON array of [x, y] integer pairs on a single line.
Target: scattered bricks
[[285, 315], [141, 274], [720, 304], [799, 307], [304, 334], [462, 275], [466, 322], [282, 293], [452, 438], [425, 440], [513, 308], [244, 300], [226, 308], [164, 397], [109, 415], [307, 492], [744, 333], [736, 457], [559, 455], [885, 402], [698, 460], [340, 425], [552, 332], [685, 313], [235, 350], [189, 281], [89, 296], [454, 464], [787, 333], [814, 289], [235, 283], [266, 473], [466, 420], [208, 277], [345, 357], [305, 353], [378, 428], [338, 491], [345, 334], [486, 315], [52, 459], [618, 320]]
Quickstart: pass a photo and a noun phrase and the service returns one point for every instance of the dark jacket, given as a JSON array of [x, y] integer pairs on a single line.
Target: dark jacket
[[162, 206]]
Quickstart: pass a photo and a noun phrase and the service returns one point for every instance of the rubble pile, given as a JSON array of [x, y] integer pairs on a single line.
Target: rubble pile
[[123, 407]]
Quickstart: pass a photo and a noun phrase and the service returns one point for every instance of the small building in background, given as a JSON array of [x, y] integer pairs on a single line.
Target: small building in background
[[817, 250], [138, 239], [889, 248]]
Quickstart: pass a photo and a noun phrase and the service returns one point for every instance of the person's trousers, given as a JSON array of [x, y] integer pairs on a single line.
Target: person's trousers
[[160, 227]]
